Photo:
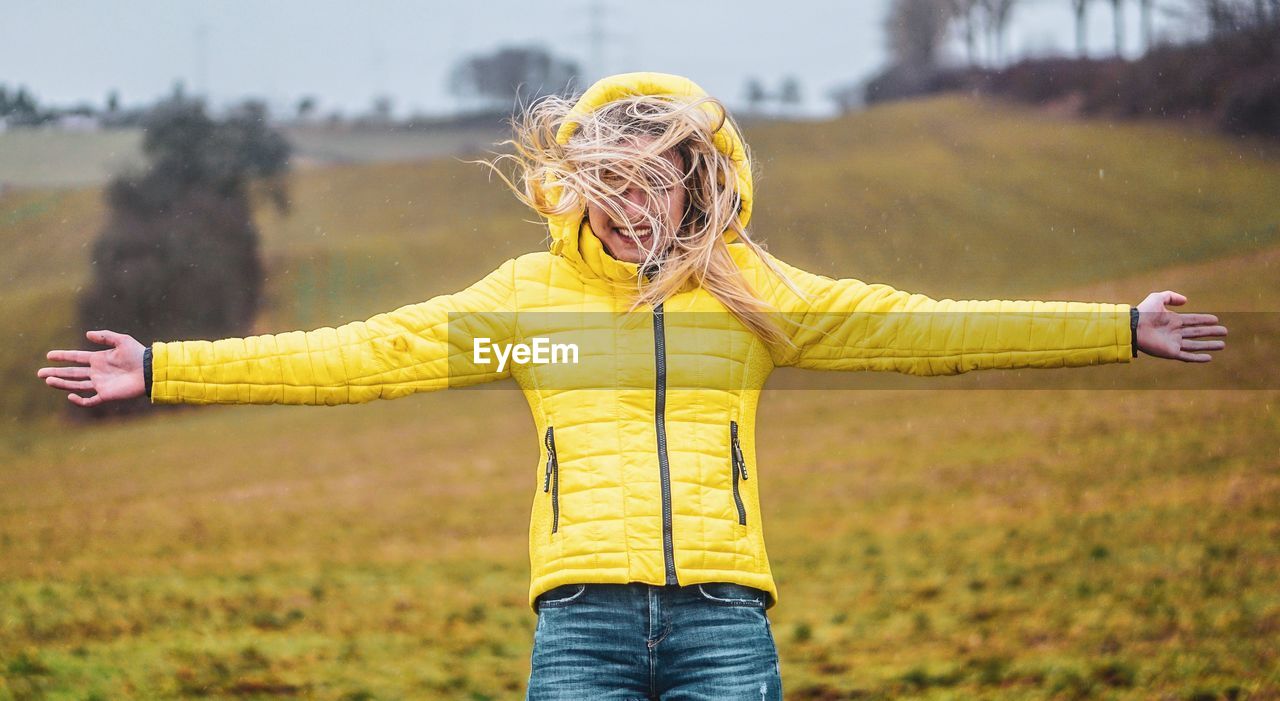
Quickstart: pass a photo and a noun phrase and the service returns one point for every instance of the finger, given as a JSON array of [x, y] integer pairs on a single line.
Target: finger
[[1174, 299], [1203, 345], [104, 337], [76, 399], [68, 384], [69, 356], [1197, 319], [1194, 357], [72, 372], [1199, 331]]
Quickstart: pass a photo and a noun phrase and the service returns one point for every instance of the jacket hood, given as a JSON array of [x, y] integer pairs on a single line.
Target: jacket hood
[[571, 235]]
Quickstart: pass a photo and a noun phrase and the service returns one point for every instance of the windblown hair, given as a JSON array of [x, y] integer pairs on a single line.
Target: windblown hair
[[629, 143]]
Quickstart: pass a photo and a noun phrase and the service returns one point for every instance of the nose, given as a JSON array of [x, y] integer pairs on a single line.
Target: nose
[[634, 203]]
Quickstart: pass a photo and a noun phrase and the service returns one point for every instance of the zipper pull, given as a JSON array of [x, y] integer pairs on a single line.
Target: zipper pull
[[738, 460], [551, 456]]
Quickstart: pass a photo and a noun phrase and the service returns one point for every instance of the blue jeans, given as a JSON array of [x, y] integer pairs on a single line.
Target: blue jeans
[[631, 642]]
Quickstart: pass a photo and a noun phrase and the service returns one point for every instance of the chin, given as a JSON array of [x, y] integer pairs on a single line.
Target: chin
[[624, 249]]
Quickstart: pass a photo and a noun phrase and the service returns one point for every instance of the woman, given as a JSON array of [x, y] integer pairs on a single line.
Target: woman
[[648, 567]]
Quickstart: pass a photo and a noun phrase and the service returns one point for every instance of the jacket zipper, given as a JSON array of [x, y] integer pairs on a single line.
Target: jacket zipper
[[739, 468], [552, 481], [660, 424]]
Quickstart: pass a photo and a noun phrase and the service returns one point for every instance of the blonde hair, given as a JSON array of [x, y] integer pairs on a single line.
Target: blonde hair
[[625, 144]]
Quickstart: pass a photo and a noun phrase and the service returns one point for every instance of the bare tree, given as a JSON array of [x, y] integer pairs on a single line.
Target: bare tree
[[756, 95], [916, 29], [1081, 8], [1221, 16], [1148, 35], [1267, 13], [999, 13], [513, 74], [966, 12], [1227, 16], [1117, 20], [306, 107], [789, 95], [380, 112]]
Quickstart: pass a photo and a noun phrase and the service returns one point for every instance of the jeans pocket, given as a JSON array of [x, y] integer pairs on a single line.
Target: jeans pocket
[[731, 594], [563, 595]]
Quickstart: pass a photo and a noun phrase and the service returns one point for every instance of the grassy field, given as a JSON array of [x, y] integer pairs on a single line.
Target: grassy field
[[49, 158], [971, 544]]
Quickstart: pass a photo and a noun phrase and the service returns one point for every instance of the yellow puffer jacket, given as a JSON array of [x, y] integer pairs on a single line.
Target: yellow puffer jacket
[[647, 469]]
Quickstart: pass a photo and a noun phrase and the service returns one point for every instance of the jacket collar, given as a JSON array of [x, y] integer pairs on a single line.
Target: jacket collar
[[588, 255]]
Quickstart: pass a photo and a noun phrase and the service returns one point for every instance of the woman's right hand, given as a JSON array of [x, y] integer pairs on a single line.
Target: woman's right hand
[[112, 374]]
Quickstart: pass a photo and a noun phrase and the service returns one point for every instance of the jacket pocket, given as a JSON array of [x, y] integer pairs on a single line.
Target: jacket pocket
[[552, 481], [739, 466]]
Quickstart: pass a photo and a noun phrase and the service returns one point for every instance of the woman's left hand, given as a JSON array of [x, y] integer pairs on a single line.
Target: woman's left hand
[[1167, 334]]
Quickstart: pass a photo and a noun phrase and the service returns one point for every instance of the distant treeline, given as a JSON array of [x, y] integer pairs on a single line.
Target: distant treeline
[[489, 86], [1230, 76], [1233, 79]]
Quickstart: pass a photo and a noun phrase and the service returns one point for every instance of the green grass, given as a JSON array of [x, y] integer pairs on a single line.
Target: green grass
[[972, 544]]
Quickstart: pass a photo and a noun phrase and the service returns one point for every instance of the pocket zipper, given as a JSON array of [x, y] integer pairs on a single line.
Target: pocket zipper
[[739, 469], [553, 469]]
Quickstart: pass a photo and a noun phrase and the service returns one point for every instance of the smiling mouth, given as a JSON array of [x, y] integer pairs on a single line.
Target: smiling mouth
[[643, 234]]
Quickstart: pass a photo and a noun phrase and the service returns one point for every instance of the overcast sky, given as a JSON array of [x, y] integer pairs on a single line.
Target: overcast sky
[[345, 53]]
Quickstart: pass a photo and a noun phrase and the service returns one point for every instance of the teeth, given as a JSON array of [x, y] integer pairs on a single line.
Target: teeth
[[639, 233]]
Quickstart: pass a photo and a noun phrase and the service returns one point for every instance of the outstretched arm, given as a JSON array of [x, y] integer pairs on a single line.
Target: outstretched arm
[[847, 324], [412, 349]]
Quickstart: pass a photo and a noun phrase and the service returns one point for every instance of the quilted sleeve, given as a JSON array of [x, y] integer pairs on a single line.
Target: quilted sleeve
[[847, 324], [416, 348]]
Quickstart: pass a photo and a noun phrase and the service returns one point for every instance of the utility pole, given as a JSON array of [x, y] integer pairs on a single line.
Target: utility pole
[[598, 33], [595, 38]]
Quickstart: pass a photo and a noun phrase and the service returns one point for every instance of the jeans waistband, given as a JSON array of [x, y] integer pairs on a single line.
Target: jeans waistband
[[710, 591]]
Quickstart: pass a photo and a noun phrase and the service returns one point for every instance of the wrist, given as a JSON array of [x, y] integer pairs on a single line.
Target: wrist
[[146, 371], [1133, 330]]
